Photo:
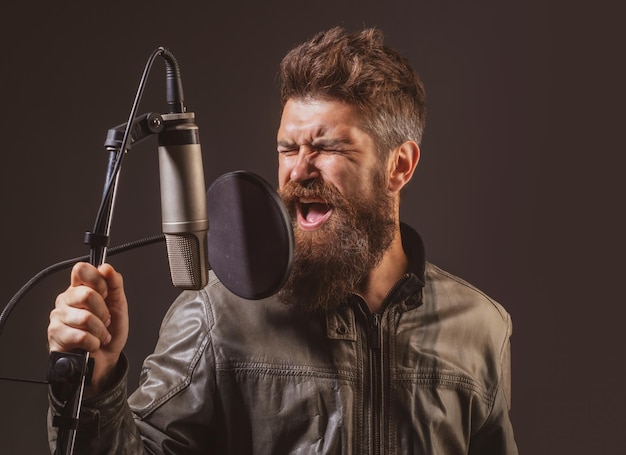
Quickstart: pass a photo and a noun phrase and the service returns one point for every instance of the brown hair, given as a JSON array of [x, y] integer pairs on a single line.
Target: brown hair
[[358, 69]]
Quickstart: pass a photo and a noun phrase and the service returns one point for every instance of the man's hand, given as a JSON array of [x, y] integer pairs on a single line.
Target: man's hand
[[92, 315]]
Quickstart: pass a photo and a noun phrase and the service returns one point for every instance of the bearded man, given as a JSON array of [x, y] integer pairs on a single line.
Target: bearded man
[[368, 348]]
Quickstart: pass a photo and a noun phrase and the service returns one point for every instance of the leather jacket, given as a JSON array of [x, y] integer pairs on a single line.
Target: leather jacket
[[428, 374]]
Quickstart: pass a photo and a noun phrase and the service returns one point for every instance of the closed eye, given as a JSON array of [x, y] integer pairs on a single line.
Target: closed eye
[[287, 151], [332, 145]]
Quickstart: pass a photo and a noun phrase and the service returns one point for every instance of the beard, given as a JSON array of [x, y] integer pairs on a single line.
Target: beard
[[333, 262]]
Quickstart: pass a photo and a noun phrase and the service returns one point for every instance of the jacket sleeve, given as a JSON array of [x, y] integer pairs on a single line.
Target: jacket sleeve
[[106, 422], [495, 437], [174, 406], [171, 411]]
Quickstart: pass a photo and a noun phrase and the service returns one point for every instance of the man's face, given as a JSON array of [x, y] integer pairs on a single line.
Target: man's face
[[322, 140], [334, 187]]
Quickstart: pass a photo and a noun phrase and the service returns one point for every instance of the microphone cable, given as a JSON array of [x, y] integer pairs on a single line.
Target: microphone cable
[[103, 216], [58, 267]]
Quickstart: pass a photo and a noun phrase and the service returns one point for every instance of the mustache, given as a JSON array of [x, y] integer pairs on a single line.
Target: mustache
[[292, 192]]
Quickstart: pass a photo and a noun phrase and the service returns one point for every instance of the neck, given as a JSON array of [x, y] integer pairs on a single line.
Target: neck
[[386, 274]]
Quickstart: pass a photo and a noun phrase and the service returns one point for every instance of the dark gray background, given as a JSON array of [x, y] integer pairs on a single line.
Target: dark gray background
[[519, 189]]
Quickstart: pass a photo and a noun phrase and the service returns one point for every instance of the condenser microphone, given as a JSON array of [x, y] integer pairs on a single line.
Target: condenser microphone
[[183, 200], [183, 193]]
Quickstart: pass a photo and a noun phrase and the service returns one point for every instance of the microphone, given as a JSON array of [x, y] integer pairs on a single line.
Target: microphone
[[183, 193], [183, 200]]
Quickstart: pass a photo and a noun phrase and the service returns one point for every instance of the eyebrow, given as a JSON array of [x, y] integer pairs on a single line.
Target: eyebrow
[[285, 143], [331, 142], [319, 142]]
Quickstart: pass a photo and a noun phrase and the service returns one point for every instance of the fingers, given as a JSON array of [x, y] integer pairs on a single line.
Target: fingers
[[74, 328], [81, 316], [84, 274]]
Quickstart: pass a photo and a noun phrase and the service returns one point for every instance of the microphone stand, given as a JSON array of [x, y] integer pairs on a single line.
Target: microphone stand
[[70, 372]]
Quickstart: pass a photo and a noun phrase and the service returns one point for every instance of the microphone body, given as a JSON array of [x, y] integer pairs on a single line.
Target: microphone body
[[183, 201]]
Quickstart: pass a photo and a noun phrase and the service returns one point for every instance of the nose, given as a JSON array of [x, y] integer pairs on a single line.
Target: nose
[[305, 169]]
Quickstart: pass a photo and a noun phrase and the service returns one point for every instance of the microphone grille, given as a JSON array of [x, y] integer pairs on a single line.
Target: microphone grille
[[188, 258]]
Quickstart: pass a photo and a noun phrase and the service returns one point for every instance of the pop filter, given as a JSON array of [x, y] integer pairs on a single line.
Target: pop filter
[[250, 237]]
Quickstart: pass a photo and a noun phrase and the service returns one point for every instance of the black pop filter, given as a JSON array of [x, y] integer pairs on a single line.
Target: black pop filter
[[250, 236]]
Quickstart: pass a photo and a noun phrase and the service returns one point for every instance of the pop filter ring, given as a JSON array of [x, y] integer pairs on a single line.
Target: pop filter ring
[[250, 236]]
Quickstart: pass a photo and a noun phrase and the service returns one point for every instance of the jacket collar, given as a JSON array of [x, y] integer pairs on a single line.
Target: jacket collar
[[407, 292], [414, 249]]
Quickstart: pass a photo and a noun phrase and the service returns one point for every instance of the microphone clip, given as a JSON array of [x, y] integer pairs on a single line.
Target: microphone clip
[[142, 127]]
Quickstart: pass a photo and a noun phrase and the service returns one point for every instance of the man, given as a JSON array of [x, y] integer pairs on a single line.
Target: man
[[367, 349]]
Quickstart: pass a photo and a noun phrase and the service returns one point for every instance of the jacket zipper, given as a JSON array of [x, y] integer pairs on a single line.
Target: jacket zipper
[[376, 395], [378, 378]]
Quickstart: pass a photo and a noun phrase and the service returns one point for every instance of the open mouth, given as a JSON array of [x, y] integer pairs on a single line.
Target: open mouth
[[312, 214]]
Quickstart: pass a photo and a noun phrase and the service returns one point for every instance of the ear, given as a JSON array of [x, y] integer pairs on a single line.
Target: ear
[[402, 164]]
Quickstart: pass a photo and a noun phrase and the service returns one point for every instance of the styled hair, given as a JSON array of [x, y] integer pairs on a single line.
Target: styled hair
[[358, 69]]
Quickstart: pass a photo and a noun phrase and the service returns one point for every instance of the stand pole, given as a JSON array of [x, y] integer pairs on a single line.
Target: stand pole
[[72, 370]]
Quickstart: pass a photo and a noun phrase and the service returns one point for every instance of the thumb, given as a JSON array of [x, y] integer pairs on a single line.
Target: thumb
[[115, 299], [114, 295]]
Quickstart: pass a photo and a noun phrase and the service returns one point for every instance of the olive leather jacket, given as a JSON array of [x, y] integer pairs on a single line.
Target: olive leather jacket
[[428, 374]]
